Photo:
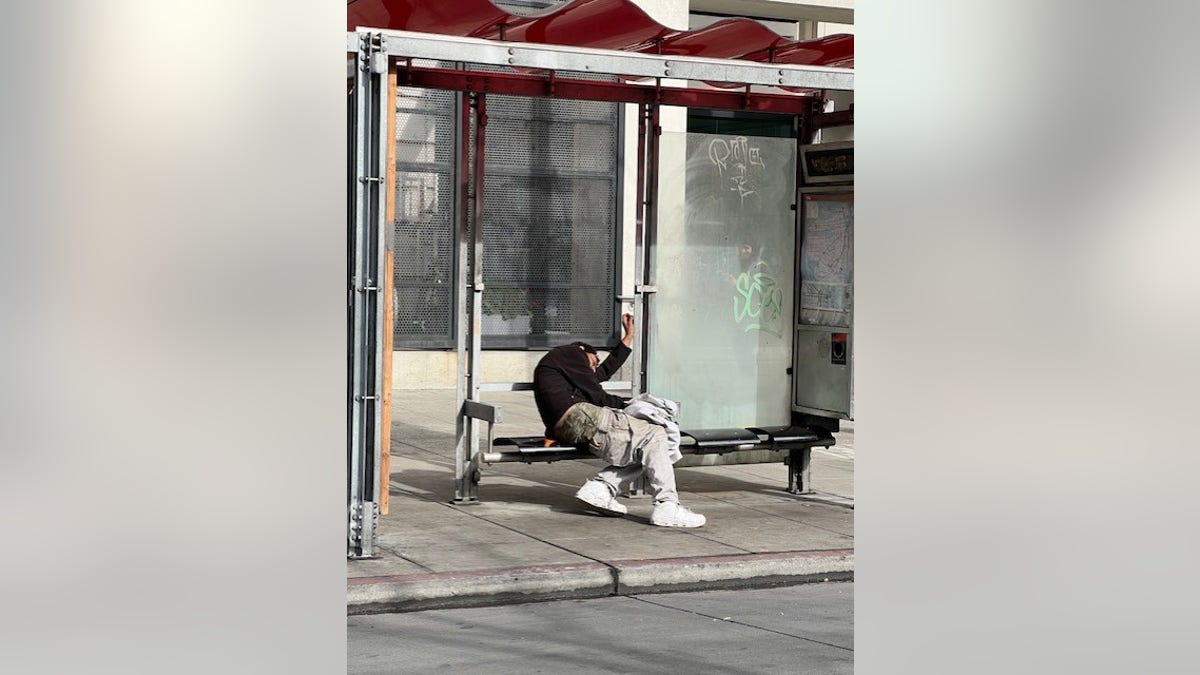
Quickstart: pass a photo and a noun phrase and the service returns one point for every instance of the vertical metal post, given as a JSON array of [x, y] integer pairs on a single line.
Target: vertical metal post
[[470, 180], [639, 267], [476, 374], [802, 128], [650, 235], [354, 424], [798, 130], [368, 252], [799, 471], [647, 195], [462, 176]]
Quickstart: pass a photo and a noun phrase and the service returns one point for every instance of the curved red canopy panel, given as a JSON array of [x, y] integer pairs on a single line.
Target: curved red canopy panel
[[730, 38], [835, 51], [461, 17], [601, 24]]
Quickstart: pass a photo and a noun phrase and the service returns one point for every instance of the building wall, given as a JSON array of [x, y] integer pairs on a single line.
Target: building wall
[[439, 369], [836, 11]]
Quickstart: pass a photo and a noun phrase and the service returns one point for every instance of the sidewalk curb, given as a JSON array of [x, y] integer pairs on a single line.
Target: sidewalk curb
[[732, 571], [404, 593], [373, 595]]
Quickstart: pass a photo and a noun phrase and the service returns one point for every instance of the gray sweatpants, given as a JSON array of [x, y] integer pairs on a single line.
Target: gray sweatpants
[[633, 447]]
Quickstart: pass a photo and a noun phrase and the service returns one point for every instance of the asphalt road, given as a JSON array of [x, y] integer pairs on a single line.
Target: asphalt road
[[795, 629]]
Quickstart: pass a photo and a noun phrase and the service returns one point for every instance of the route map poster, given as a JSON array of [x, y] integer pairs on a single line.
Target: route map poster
[[827, 260]]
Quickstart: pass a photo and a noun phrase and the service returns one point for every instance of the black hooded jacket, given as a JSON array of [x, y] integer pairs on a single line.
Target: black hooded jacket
[[563, 378]]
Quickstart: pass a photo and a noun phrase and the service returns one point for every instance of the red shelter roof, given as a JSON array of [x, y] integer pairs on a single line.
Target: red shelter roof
[[601, 24]]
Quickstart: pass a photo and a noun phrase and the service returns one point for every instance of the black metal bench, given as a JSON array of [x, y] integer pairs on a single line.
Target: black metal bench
[[798, 441]]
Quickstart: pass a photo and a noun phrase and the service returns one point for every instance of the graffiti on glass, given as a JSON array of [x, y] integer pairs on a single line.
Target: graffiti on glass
[[758, 303], [738, 158]]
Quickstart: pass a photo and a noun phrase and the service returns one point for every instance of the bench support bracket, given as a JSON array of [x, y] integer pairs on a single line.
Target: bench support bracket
[[799, 477]]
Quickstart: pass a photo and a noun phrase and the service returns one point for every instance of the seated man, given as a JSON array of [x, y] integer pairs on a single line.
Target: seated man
[[577, 410]]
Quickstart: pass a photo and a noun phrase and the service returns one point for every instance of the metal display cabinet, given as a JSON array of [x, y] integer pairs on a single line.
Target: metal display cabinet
[[823, 351]]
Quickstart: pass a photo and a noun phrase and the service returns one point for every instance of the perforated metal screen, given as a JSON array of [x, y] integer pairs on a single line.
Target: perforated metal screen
[[549, 221], [423, 235]]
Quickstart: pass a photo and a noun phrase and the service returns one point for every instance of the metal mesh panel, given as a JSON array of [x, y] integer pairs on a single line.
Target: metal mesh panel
[[549, 230], [424, 127], [548, 257], [537, 146], [556, 109], [423, 234], [549, 227]]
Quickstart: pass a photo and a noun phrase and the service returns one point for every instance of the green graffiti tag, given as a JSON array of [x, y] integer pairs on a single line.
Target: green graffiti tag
[[760, 299]]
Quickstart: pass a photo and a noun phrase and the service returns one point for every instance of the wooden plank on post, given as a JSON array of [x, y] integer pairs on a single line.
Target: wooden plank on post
[[385, 463]]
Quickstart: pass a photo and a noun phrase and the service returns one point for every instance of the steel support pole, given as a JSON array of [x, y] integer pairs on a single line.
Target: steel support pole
[[476, 369], [647, 185], [650, 235], [463, 426], [800, 471], [355, 422], [470, 256], [639, 267], [368, 252]]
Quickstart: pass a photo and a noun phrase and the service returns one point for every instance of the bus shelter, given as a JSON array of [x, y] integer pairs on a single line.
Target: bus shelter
[[742, 258]]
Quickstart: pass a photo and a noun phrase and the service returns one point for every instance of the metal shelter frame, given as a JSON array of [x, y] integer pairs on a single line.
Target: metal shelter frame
[[378, 57]]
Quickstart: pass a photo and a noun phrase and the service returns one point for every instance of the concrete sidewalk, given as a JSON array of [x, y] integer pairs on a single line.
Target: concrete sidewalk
[[529, 539]]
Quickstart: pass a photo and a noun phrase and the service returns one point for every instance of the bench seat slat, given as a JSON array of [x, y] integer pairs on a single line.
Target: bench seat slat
[[720, 437], [790, 434], [524, 442]]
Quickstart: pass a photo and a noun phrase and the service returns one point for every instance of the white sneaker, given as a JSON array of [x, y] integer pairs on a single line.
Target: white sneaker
[[674, 514], [596, 494]]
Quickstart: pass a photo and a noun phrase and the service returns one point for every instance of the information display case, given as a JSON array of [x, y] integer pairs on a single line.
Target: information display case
[[823, 353]]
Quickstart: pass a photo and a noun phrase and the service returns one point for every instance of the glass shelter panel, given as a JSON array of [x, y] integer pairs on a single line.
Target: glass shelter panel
[[724, 265]]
